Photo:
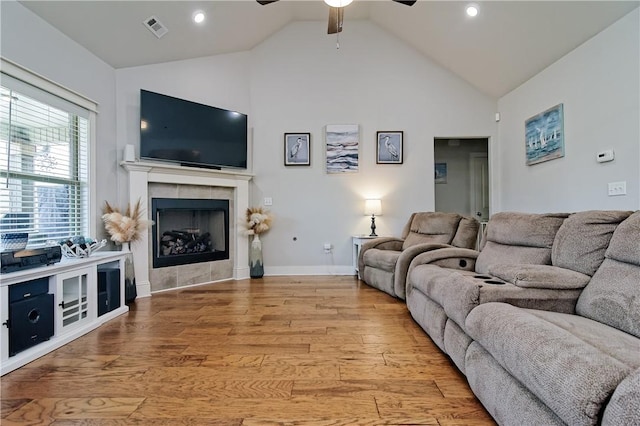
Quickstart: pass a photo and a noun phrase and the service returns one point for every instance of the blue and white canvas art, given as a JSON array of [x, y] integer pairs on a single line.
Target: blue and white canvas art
[[440, 172], [343, 141], [544, 136]]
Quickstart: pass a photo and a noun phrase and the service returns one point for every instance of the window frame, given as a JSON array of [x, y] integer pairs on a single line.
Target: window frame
[[39, 82]]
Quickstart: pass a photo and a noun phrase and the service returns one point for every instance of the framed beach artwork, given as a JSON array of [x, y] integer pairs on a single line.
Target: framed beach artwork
[[440, 172], [342, 142], [389, 147], [297, 149], [544, 136]]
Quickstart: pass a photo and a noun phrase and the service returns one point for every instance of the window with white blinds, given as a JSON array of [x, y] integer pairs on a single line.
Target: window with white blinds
[[44, 170]]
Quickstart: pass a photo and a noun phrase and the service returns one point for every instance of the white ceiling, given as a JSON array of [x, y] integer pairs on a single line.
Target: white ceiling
[[508, 43]]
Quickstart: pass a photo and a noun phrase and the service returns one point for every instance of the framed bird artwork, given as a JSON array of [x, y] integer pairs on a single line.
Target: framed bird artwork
[[389, 147], [297, 149]]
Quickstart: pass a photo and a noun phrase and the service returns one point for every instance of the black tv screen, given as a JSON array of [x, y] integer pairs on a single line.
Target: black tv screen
[[190, 133]]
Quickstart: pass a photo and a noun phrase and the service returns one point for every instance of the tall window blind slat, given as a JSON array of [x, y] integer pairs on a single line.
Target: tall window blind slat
[[43, 165]]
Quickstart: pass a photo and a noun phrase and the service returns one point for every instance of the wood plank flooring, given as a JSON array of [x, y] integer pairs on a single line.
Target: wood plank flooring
[[322, 351]]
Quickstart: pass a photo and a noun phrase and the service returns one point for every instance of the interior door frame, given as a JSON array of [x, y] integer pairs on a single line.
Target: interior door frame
[[472, 184]]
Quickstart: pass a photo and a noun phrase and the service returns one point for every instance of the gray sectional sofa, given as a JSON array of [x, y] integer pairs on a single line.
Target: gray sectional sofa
[[544, 320], [383, 262]]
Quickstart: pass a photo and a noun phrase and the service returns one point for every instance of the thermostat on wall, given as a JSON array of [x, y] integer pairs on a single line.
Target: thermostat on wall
[[604, 156]]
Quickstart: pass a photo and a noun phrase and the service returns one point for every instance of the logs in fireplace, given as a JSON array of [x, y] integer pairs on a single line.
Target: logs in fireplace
[[185, 242]]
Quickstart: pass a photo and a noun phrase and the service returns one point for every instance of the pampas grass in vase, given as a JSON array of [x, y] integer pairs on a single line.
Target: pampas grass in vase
[[258, 220], [125, 227]]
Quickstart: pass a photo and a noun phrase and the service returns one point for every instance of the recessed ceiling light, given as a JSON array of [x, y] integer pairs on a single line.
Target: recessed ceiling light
[[338, 3], [472, 9], [198, 17]]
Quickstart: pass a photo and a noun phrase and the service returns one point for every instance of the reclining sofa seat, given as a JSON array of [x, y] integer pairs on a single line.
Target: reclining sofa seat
[[383, 262], [540, 261], [530, 366]]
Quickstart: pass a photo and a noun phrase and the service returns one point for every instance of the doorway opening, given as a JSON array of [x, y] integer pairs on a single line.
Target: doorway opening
[[462, 176]]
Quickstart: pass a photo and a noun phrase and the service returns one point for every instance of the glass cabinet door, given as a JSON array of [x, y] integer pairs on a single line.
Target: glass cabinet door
[[73, 298]]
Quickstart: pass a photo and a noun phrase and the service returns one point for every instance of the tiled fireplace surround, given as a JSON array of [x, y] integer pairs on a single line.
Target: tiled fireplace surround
[[149, 180]]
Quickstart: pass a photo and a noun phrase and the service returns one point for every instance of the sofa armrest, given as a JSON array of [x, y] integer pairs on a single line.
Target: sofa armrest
[[402, 265], [625, 402], [540, 276], [451, 258], [382, 243]]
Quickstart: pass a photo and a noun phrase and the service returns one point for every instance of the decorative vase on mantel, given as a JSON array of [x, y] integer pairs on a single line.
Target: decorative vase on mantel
[[126, 246], [256, 268]]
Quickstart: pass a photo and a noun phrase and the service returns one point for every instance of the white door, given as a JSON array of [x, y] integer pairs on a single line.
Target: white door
[[479, 172]]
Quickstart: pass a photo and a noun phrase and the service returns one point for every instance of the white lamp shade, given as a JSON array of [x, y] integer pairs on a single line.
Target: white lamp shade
[[373, 207], [338, 3]]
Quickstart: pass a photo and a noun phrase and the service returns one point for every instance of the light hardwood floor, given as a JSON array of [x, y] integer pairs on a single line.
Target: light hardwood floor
[[274, 351]]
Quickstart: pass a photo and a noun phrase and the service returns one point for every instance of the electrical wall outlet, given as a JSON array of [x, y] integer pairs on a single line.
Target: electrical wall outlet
[[327, 247], [617, 188], [268, 201]]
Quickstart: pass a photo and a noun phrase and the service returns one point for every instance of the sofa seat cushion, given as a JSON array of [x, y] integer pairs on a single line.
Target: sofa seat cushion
[[539, 276], [382, 259], [571, 363], [422, 278], [459, 292]]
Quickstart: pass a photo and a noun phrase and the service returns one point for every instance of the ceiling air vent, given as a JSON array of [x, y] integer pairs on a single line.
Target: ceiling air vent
[[155, 26]]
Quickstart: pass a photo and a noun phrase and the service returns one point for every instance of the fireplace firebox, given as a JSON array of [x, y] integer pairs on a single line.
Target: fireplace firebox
[[189, 231]]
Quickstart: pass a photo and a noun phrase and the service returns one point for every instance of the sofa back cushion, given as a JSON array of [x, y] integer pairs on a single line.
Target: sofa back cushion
[[467, 233], [431, 228], [583, 238], [612, 296], [519, 238]]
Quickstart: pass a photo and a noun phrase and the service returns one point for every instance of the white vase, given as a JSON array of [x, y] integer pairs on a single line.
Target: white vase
[[256, 268], [126, 246]]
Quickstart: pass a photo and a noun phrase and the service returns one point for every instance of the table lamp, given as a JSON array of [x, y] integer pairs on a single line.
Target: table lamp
[[373, 208]]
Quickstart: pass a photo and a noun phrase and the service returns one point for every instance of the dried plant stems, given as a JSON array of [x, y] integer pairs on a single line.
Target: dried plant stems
[[125, 227], [258, 220]]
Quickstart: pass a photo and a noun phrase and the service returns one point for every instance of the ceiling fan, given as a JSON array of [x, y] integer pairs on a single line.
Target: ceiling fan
[[336, 12]]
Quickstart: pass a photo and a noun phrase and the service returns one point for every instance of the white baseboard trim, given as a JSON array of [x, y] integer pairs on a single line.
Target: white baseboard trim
[[241, 273], [182, 287], [143, 289], [309, 270]]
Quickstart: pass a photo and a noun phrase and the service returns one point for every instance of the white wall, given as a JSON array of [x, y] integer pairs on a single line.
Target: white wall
[[297, 81], [221, 81], [599, 85], [301, 83], [31, 42]]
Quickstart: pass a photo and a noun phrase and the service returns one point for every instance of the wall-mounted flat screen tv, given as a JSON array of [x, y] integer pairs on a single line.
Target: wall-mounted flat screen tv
[[190, 133]]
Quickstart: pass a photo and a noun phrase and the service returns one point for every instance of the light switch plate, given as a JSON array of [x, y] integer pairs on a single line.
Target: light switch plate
[[617, 188], [268, 201]]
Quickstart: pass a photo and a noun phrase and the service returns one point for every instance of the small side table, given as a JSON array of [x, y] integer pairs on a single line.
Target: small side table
[[358, 241]]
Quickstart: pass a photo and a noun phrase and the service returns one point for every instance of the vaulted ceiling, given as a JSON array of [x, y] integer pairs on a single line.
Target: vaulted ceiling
[[505, 45]]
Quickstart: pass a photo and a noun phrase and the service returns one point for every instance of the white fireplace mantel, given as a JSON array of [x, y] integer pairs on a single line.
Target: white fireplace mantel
[[142, 173]]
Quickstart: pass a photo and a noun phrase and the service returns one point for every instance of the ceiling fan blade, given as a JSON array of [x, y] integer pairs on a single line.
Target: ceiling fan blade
[[336, 15], [407, 2], [263, 2]]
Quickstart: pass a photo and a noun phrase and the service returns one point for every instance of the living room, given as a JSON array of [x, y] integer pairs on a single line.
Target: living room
[[297, 81]]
